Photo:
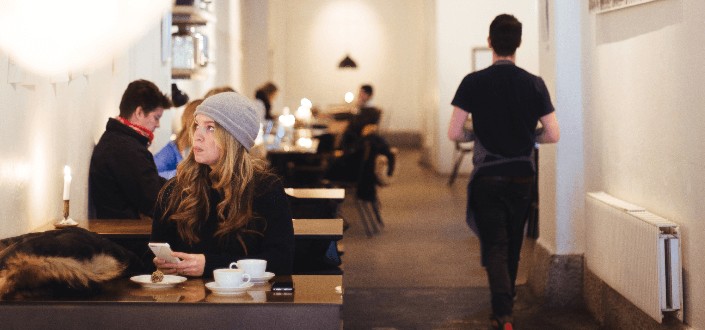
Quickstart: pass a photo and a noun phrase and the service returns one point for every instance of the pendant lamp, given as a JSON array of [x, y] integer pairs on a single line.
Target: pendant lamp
[[347, 63]]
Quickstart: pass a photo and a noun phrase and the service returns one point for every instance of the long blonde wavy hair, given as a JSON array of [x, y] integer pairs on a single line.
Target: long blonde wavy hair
[[232, 176], [183, 138]]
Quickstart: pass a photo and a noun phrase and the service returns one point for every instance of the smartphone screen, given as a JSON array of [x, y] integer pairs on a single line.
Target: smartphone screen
[[283, 284], [282, 290], [163, 251]]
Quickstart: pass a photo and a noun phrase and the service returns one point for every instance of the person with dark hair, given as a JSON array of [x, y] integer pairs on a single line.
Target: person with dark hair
[[123, 180], [364, 96], [506, 104], [224, 205], [362, 133], [265, 94], [353, 132]]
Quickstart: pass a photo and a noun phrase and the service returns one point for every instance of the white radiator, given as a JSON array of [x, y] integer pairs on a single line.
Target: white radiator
[[635, 252]]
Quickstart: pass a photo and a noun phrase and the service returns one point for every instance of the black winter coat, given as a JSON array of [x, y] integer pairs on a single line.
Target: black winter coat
[[123, 181]]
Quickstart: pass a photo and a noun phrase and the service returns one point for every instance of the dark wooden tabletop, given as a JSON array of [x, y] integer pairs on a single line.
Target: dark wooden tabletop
[[329, 229], [308, 289]]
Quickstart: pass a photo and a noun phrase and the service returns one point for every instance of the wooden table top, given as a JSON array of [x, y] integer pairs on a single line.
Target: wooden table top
[[316, 193], [318, 228], [303, 228], [308, 289]]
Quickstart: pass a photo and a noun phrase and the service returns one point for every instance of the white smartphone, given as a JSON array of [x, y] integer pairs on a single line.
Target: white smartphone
[[163, 251]]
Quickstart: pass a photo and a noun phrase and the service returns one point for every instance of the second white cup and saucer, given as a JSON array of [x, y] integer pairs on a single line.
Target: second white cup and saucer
[[255, 268], [229, 281]]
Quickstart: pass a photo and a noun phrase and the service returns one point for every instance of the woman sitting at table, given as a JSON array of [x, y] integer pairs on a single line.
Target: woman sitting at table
[[223, 205], [174, 152]]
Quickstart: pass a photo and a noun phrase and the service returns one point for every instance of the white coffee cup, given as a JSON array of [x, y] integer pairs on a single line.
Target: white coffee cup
[[254, 267], [230, 278]]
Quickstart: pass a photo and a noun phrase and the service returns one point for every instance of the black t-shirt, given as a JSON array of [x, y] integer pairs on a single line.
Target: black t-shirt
[[506, 103]]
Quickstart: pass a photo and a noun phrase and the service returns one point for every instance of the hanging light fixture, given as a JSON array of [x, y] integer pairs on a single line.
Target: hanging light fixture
[[347, 63]]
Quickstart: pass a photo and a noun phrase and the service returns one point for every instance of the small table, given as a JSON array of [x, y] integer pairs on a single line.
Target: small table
[[318, 203], [312, 237], [315, 304], [321, 229], [142, 228], [316, 193]]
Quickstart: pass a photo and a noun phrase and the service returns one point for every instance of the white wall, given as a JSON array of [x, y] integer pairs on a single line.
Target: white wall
[[644, 121], [385, 38], [460, 26], [255, 28], [47, 125]]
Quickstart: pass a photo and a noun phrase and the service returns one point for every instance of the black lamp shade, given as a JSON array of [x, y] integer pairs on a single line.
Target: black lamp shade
[[347, 62], [178, 97]]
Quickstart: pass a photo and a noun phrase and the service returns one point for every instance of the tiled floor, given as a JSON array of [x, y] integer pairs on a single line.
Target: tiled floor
[[422, 271]]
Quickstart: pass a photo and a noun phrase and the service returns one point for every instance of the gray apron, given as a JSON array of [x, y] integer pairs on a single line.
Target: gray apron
[[479, 161]]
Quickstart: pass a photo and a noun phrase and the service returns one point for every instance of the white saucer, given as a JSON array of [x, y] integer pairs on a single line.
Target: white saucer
[[228, 291], [262, 279], [167, 282]]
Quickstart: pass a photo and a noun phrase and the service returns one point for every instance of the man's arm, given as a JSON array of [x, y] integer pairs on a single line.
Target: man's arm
[[551, 133], [456, 131]]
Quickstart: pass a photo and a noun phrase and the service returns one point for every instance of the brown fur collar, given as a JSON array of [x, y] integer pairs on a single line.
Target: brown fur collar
[[60, 263]]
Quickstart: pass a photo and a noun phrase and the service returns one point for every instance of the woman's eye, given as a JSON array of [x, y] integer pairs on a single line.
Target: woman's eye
[[206, 129]]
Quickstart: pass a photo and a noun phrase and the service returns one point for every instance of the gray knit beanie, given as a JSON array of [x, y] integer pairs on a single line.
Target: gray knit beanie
[[234, 112]]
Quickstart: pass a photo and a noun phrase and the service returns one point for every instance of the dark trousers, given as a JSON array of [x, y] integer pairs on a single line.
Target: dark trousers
[[501, 205]]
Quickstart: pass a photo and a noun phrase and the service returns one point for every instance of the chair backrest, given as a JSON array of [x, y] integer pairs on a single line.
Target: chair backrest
[[374, 147], [382, 168]]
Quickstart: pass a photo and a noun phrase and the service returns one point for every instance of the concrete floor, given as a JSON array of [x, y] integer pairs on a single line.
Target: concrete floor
[[423, 270]]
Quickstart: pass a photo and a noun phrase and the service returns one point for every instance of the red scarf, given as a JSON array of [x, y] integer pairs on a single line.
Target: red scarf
[[139, 129]]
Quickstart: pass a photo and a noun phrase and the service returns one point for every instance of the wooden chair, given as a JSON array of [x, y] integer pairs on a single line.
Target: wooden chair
[[373, 174], [461, 150]]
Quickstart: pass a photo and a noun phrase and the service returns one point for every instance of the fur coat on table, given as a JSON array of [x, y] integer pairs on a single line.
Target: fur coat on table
[[60, 263]]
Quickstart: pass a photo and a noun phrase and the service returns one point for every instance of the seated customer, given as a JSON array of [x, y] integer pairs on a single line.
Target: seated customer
[[264, 96], [123, 180], [353, 132], [175, 151], [353, 156], [223, 205]]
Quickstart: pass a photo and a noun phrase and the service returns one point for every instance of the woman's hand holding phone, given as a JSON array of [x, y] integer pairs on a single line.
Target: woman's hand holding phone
[[163, 251]]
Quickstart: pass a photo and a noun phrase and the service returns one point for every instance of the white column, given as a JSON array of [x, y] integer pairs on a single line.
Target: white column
[[561, 168]]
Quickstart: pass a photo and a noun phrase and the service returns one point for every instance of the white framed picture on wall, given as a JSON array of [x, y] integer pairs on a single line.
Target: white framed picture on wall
[[481, 58], [601, 6]]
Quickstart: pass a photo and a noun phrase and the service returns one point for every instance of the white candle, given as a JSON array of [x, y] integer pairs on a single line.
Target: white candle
[[67, 182]]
